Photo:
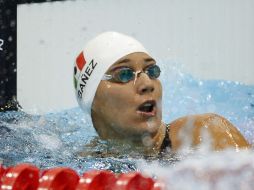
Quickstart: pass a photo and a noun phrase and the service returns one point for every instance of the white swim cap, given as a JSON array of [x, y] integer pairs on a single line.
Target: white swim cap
[[95, 59]]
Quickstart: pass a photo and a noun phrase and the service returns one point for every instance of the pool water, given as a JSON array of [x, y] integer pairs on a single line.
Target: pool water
[[67, 138]]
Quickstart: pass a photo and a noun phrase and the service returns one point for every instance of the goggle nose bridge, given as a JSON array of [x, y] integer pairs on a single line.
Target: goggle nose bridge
[[137, 73]]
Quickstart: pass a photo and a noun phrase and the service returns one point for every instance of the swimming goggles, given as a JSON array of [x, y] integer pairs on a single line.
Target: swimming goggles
[[125, 74]]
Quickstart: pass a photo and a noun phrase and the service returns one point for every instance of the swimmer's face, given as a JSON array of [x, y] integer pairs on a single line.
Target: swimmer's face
[[131, 109]]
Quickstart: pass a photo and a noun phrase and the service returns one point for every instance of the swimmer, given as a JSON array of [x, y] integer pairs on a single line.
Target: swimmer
[[117, 82]]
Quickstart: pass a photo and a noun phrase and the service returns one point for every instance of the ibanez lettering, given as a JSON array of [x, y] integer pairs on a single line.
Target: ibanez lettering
[[85, 77]]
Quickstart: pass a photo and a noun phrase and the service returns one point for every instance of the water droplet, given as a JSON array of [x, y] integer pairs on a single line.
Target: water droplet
[[208, 97], [147, 140]]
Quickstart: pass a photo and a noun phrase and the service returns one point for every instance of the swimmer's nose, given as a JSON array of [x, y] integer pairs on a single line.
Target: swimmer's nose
[[144, 84]]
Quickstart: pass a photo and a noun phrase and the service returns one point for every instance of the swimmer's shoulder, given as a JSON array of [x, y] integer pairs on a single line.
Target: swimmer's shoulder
[[223, 133]]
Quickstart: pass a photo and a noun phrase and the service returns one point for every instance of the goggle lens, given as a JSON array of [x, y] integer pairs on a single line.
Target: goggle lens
[[125, 75], [153, 71]]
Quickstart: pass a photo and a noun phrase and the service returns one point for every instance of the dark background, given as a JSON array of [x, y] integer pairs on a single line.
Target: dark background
[[8, 54]]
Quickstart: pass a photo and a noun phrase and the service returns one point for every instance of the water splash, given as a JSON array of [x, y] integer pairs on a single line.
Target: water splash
[[227, 170], [67, 138]]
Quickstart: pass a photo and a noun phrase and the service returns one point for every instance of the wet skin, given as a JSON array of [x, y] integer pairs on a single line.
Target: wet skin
[[206, 127], [117, 113]]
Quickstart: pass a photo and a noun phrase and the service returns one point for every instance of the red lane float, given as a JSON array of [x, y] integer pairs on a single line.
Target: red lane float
[[98, 180], [59, 179], [29, 177], [133, 181], [21, 177], [2, 173], [159, 185]]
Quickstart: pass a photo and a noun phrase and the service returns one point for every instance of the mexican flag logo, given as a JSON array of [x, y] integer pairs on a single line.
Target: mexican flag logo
[[79, 65]]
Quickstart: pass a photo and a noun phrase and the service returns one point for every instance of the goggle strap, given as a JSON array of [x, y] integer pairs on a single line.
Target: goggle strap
[[107, 77]]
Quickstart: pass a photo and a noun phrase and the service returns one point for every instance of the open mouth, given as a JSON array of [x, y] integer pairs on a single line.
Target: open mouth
[[147, 108]]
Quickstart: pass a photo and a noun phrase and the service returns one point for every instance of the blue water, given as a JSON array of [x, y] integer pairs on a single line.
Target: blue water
[[67, 138], [185, 94]]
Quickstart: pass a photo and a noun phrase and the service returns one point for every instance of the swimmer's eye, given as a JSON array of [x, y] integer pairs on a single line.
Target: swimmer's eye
[[124, 75], [153, 71]]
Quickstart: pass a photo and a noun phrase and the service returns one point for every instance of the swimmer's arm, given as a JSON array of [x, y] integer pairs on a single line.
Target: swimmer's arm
[[195, 129]]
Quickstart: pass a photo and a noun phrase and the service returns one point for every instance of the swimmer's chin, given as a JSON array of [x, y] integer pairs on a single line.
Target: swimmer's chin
[[151, 125]]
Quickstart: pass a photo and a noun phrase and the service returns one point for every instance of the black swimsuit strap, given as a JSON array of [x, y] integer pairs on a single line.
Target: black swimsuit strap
[[166, 141]]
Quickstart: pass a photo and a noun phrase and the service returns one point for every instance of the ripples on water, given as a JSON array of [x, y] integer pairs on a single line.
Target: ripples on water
[[67, 138]]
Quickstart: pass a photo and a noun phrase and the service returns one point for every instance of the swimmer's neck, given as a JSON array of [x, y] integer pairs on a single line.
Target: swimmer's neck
[[155, 140]]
